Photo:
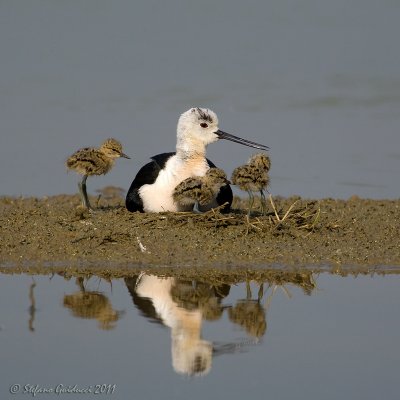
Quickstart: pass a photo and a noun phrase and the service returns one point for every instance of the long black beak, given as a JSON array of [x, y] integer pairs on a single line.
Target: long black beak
[[232, 138]]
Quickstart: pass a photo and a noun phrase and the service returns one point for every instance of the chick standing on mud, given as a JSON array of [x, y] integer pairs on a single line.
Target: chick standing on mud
[[91, 161], [200, 191], [253, 177]]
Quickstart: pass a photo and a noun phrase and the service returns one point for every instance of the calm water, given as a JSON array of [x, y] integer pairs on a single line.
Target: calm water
[[327, 337], [317, 81]]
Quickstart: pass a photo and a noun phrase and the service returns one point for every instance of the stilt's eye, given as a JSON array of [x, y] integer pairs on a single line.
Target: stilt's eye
[[204, 125]]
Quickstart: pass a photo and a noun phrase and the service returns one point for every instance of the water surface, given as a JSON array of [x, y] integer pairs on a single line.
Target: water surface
[[317, 81], [311, 337]]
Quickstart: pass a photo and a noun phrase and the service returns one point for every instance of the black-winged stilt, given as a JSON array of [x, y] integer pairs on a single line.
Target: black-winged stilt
[[152, 188]]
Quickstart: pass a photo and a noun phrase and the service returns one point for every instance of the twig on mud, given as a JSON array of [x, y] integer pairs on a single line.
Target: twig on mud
[[311, 226], [217, 218], [142, 247], [305, 217], [288, 211], [251, 224], [219, 207], [280, 220], [273, 207]]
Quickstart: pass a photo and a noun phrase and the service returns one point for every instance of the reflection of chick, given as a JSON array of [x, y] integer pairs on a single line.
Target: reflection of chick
[[201, 296], [250, 315], [92, 305], [307, 282], [200, 191], [253, 177]]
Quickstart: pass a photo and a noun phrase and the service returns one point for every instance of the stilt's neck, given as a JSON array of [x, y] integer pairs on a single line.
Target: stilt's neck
[[191, 148]]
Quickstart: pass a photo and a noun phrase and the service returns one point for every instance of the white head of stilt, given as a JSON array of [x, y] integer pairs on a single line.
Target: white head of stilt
[[197, 128]]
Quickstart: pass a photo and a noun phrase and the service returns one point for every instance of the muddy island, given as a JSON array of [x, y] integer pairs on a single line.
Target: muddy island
[[55, 231]]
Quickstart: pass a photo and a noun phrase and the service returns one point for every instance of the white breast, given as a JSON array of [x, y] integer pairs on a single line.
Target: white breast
[[157, 197]]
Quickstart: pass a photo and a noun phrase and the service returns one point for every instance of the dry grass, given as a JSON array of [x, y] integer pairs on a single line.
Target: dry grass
[[298, 217]]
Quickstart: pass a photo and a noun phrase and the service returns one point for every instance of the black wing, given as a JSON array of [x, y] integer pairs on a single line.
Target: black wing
[[146, 176], [145, 305], [225, 194]]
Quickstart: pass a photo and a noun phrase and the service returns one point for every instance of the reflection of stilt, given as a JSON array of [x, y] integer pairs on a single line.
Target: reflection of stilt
[[191, 355], [32, 307], [182, 305]]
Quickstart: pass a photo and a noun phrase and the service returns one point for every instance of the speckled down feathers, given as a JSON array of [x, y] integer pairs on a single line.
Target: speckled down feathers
[[191, 190], [201, 189], [260, 160], [253, 176], [93, 161]]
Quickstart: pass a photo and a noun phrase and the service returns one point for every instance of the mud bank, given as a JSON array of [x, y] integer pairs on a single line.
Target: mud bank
[[55, 231]]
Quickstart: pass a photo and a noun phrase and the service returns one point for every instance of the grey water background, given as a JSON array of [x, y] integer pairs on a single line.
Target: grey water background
[[339, 342], [318, 81]]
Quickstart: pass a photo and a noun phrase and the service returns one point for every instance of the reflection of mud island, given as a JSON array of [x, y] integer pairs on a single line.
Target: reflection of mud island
[[326, 232], [181, 299]]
